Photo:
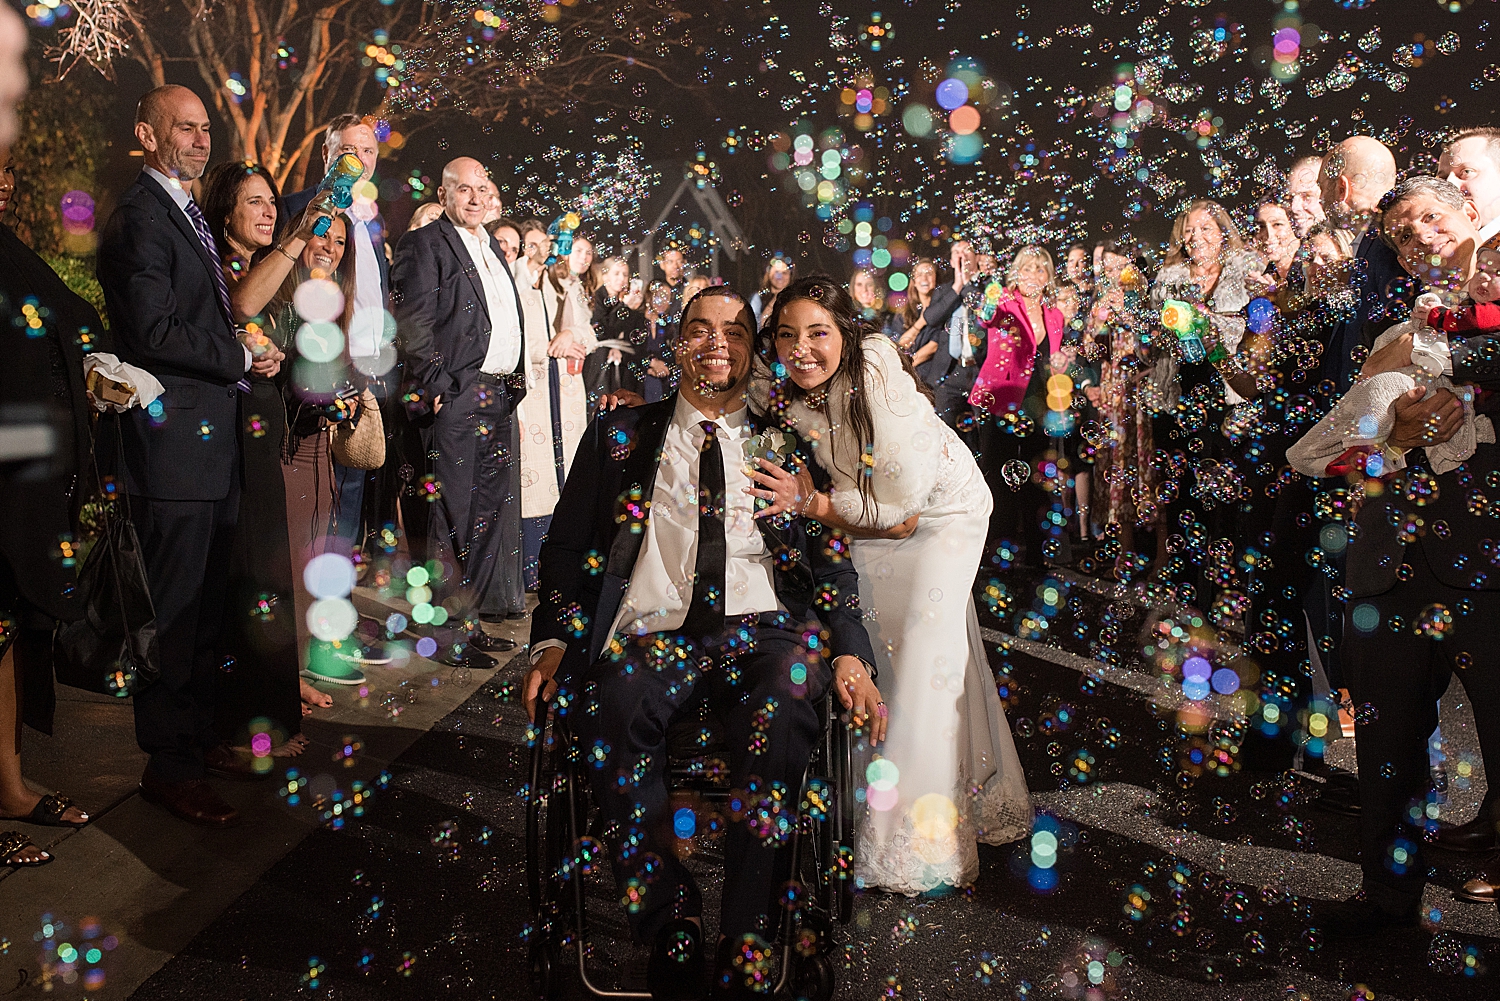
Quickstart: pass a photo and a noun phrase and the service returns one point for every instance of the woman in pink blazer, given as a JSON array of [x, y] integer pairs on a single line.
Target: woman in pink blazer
[[1017, 364]]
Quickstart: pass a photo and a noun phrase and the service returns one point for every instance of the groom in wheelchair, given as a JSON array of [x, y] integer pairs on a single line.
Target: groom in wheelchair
[[663, 584]]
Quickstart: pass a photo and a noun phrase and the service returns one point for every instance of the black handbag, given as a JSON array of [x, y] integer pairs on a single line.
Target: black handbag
[[112, 649]]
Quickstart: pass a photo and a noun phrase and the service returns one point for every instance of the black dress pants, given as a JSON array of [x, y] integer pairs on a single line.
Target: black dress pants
[[1402, 673], [951, 395], [1019, 514], [475, 523], [187, 546], [772, 725]]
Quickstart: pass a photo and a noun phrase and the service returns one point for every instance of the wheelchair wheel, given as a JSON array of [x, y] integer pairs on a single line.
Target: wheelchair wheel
[[814, 979], [545, 970]]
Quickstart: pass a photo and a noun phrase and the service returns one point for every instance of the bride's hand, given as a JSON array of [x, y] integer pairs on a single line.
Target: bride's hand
[[901, 531], [860, 696], [786, 490]]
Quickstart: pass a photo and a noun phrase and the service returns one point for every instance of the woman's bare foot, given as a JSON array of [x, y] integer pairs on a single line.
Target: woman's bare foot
[[19, 806], [314, 699]]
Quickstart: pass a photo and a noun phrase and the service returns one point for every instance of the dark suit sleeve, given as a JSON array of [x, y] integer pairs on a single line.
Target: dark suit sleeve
[[1477, 359], [415, 283], [560, 564], [833, 570], [940, 309], [135, 271]]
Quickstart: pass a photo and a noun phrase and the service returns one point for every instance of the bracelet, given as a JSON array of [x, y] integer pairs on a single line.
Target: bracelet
[[282, 251]]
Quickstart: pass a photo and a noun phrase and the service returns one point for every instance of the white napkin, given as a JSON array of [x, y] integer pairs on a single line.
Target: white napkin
[[146, 386]]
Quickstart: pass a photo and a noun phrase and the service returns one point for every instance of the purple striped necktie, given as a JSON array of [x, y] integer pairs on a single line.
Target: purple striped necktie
[[205, 237]]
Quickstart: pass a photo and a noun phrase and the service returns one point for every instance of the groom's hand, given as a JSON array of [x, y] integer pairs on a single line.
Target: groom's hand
[[539, 679], [860, 696]]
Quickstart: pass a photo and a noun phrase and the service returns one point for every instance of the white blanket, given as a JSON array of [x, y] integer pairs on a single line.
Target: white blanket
[[1367, 413]]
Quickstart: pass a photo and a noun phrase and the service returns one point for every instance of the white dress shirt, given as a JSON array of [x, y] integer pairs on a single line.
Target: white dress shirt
[[367, 326], [505, 321], [1488, 231], [661, 585], [959, 347]]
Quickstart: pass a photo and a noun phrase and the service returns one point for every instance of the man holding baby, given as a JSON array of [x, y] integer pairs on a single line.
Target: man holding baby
[[1424, 597]]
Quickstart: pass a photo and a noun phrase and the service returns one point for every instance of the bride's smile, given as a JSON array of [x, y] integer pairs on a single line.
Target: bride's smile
[[808, 343]]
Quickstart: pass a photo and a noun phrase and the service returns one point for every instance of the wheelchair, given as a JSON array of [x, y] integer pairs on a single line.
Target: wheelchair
[[564, 850]]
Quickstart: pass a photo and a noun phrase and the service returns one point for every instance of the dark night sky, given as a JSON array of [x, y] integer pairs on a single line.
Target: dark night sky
[[909, 182]]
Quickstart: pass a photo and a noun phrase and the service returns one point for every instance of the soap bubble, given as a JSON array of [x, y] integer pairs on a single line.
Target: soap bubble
[[329, 575], [319, 300], [330, 619]]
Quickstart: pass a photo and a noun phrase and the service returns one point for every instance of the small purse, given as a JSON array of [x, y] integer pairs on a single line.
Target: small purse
[[359, 443]]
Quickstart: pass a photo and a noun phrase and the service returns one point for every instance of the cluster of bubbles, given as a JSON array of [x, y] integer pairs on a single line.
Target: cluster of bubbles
[[68, 956]]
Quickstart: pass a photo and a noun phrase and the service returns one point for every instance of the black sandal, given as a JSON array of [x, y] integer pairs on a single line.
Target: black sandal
[[13, 843], [49, 811]]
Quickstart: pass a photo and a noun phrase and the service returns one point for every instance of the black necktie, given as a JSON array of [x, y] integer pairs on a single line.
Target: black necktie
[[705, 615]]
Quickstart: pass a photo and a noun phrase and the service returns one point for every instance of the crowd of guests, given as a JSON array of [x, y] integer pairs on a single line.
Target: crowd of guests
[[258, 332], [1206, 424], [1201, 423]]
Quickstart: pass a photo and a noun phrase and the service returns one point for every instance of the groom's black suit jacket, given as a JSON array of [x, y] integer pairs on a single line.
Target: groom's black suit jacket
[[599, 524]]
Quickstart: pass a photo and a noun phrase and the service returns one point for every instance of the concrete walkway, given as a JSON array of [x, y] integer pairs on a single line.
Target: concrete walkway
[[138, 884]]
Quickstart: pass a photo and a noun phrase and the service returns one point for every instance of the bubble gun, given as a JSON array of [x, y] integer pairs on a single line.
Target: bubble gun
[[1188, 324], [336, 193]]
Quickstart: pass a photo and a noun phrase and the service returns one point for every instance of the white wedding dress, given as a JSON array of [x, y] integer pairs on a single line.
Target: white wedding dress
[[950, 775]]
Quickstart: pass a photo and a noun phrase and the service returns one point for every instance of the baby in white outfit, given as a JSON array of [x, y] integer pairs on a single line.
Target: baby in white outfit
[[1362, 421]]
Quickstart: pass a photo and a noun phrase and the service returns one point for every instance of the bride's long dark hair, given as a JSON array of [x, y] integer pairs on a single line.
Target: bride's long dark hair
[[853, 328]]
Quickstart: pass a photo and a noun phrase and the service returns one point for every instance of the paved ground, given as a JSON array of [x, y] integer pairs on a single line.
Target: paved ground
[[423, 896], [140, 885]]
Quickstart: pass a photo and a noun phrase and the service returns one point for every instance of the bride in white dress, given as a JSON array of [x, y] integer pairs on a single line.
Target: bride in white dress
[[910, 493]]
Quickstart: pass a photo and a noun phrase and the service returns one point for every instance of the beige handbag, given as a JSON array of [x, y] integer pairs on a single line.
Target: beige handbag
[[362, 445]]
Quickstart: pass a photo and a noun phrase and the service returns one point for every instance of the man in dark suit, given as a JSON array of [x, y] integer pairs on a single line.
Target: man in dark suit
[[371, 348], [1424, 600], [663, 552], [949, 323], [1355, 174], [167, 296], [460, 322]]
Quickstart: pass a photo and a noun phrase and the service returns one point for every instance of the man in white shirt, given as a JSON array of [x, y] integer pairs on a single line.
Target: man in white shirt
[[954, 366], [460, 322], [371, 346], [665, 589]]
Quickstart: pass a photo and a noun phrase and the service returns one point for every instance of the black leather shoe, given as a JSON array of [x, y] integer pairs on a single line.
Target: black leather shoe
[[1478, 835], [1357, 918], [1340, 794], [1481, 891], [675, 972], [483, 641], [472, 659]]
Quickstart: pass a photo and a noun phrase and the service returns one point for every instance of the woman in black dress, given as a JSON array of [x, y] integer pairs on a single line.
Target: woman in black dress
[[319, 387], [45, 329], [259, 702], [618, 319]]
